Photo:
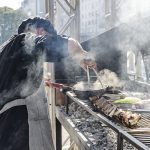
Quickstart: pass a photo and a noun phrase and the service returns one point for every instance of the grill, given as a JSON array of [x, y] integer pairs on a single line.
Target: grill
[[145, 121], [143, 133], [137, 138], [144, 138]]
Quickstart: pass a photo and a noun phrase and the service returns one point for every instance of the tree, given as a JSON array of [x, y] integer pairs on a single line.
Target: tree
[[9, 22]]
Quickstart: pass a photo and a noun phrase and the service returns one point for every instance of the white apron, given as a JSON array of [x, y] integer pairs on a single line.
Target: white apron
[[40, 137]]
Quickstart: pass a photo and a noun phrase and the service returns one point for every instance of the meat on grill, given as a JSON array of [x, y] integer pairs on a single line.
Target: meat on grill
[[127, 118]]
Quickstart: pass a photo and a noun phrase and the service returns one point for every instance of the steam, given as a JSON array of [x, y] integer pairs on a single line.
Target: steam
[[109, 78], [33, 78], [34, 69], [131, 33], [29, 42], [136, 30], [134, 34], [130, 9], [84, 86]]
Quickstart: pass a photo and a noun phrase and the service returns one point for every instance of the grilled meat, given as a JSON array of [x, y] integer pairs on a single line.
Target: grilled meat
[[93, 99], [127, 118], [98, 103], [111, 107], [106, 107], [112, 111]]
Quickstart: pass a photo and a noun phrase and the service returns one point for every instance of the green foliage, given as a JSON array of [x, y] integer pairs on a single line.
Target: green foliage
[[5, 9], [9, 21]]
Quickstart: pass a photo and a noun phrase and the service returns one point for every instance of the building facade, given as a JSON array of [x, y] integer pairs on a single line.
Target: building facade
[[34, 7], [96, 16], [92, 21]]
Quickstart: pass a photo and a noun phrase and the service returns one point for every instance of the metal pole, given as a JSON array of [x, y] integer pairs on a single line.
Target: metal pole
[[74, 17], [63, 7], [58, 135], [50, 10], [119, 142], [66, 26], [49, 68], [75, 25], [67, 105]]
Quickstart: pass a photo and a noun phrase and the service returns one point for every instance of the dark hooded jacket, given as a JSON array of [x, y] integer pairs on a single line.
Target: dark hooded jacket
[[18, 70]]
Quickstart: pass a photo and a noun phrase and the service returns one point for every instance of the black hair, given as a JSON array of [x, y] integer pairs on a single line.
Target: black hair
[[37, 22], [24, 25]]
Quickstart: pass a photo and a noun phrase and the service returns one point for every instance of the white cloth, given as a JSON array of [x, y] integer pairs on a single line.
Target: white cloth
[[40, 135]]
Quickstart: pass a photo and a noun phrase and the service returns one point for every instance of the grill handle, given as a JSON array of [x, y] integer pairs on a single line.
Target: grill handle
[[53, 85], [63, 88]]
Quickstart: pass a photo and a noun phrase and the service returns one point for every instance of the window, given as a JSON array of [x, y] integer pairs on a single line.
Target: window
[[107, 7]]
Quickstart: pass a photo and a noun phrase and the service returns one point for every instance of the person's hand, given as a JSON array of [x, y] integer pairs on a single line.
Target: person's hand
[[40, 42], [90, 63], [48, 82]]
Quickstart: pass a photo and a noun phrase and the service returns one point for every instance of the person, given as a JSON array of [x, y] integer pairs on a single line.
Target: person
[[23, 115], [41, 26]]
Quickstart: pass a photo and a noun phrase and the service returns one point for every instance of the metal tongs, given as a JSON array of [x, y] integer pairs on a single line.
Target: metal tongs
[[95, 71], [88, 76]]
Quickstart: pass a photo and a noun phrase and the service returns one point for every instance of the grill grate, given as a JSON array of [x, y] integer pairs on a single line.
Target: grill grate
[[145, 121], [142, 137], [123, 132], [143, 132]]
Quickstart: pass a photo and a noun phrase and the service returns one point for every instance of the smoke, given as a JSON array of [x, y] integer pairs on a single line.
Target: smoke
[[130, 32], [29, 42], [34, 69], [84, 86], [21, 68], [130, 9], [109, 78], [135, 31], [33, 80], [133, 18]]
